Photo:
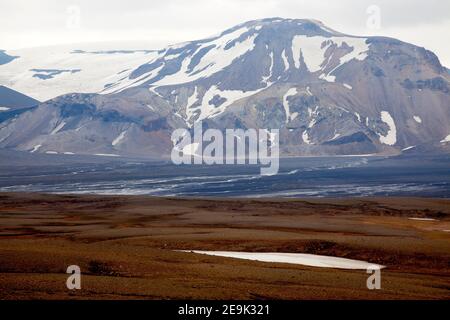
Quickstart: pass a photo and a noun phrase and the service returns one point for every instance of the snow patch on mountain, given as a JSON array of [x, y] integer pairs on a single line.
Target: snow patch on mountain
[[408, 148], [312, 123], [310, 48], [417, 119], [106, 155], [446, 139], [191, 149], [291, 92], [119, 138], [327, 77], [58, 128], [305, 137], [216, 59], [336, 135], [313, 50], [190, 102], [208, 109], [266, 78], [391, 137], [285, 60], [312, 114], [36, 148], [127, 82]]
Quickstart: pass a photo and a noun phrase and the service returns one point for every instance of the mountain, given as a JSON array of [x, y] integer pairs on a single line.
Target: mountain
[[329, 94], [13, 103], [15, 100], [47, 72], [5, 58]]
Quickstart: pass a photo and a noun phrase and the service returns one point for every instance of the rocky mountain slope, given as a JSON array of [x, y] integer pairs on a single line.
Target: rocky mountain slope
[[328, 93]]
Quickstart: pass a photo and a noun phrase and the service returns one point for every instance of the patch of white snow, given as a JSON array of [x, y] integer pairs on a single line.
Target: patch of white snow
[[311, 260], [58, 128], [391, 137], [119, 138]]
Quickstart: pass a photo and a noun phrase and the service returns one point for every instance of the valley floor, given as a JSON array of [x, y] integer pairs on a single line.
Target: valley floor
[[127, 247]]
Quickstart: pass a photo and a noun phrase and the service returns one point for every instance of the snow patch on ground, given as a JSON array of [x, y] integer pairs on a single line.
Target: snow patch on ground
[[422, 219], [311, 260], [391, 137]]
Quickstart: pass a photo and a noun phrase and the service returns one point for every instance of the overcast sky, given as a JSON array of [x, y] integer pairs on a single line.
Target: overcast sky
[[153, 24]]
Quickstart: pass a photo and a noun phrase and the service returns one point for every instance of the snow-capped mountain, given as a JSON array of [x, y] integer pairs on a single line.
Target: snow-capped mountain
[[47, 72], [327, 92]]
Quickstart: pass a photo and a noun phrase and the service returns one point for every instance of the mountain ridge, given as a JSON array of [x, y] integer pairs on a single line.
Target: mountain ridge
[[328, 93]]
